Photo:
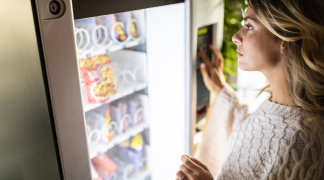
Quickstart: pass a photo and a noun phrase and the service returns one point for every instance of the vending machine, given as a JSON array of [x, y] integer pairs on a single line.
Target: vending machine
[[107, 90]]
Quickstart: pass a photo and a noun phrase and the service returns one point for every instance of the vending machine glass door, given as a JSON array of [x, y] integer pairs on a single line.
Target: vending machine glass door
[[104, 78]]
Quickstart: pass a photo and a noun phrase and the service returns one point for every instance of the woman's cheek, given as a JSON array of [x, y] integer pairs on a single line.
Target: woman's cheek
[[249, 61]]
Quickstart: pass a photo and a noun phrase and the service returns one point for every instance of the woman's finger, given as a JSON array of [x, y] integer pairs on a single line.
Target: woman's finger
[[189, 163], [209, 83], [219, 61], [184, 178], [199, 163], [186, 171], [206, 59], [181, 176], [204, 72]]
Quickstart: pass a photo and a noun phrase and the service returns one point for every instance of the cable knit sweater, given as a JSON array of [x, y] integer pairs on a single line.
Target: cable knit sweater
[[264, 145]]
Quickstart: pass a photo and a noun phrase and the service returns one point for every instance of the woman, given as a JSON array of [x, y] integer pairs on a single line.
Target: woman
[[283, 139]]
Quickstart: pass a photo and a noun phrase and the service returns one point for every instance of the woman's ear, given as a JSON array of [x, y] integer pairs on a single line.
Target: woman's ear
[[282, 45]]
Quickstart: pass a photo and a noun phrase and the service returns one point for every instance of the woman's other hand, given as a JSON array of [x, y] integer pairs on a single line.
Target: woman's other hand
[[212, 71], [192, 169]]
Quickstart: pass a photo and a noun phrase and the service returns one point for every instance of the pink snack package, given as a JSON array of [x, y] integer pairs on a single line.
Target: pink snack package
[[94, 173]]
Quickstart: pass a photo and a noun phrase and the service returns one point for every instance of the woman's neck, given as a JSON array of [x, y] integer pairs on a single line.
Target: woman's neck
[[279, 86]]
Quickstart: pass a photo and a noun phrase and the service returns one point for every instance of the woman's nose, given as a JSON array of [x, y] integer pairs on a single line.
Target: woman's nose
[[237, 39]]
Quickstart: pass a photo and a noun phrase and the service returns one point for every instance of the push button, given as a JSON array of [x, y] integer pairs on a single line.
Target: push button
[[54, 7]]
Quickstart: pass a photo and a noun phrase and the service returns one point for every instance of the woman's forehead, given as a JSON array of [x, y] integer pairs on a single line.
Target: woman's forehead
[[249, 14]]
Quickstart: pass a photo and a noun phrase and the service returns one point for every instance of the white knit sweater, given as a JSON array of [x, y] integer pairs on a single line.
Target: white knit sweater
[[264, 145]]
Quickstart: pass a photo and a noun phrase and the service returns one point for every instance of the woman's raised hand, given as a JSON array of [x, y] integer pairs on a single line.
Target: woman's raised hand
[[212, 71], [192, 169]]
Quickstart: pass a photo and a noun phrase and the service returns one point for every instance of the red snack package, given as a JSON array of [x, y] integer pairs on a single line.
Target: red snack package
[[99, 78], [105, 163], [94, 173]]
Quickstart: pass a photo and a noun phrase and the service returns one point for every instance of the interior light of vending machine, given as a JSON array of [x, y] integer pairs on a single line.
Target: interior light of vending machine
[[204, 39]]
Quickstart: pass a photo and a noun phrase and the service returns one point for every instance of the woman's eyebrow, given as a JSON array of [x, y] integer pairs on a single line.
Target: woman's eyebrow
[[248, 17]]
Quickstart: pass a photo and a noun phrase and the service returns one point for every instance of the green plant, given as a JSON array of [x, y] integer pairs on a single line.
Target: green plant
[[233, 16]]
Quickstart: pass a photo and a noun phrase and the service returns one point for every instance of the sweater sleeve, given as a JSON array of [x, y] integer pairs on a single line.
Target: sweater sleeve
[[225, 114]]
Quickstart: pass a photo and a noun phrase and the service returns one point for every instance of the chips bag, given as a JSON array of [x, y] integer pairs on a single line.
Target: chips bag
[[99, 78]]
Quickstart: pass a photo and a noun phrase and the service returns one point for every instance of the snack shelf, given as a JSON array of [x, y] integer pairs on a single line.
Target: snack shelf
[[122, 93], [102, 148], [141, 176], [113, 48]]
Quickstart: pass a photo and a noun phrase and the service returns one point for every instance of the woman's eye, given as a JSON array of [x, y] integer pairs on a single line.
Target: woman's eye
[[248, 26]]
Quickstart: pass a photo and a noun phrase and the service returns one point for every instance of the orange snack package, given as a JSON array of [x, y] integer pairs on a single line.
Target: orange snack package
[[110, 129]]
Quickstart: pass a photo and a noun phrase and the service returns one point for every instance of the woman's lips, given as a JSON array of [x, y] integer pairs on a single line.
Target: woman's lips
[[239, 54]]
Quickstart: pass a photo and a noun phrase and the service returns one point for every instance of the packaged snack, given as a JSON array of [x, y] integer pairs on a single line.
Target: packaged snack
[[135, 153], [119, 114], [135, 109], [99, 78], [123, 151], [132, 160], [105, 163], [94, 173], [109, 126], [117, 32], [127, 19], [105, 175]]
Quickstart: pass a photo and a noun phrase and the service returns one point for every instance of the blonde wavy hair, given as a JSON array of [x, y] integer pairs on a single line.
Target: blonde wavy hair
[[300, 24]]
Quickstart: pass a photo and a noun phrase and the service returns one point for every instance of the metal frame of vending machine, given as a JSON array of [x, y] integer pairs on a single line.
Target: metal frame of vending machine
[[207, 15], [166, 53]]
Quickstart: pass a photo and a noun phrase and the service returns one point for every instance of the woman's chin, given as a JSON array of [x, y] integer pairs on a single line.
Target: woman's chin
[[241, 65], [244, 66]]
